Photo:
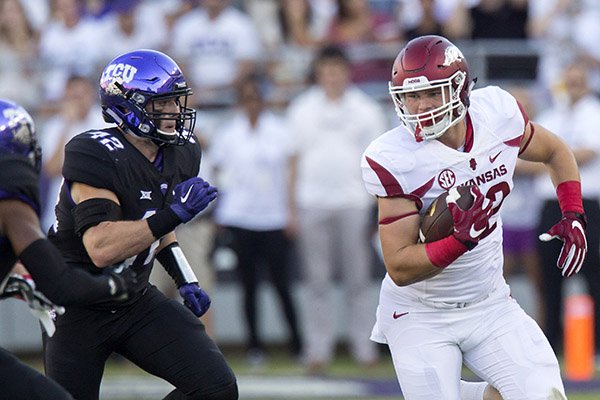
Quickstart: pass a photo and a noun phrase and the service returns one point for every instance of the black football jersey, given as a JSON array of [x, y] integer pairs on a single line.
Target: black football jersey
[[105, 159], [18, 180]]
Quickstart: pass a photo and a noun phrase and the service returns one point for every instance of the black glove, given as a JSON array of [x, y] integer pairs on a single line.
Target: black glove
[[122, 281]]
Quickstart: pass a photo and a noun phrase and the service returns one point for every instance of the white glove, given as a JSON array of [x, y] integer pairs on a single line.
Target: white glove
[[39, 305]]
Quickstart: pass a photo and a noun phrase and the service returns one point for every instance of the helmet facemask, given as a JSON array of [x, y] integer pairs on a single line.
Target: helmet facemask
[[434, 123], [137, 116], [185, 119]]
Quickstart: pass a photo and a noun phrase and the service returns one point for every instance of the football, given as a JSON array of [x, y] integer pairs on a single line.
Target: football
[[437, 221]]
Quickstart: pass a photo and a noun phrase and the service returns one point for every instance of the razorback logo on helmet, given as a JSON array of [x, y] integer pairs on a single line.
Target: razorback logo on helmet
[[123, 72], [451, 55]]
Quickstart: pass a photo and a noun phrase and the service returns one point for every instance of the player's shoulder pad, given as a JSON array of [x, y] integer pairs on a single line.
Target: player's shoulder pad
[[19, 180], [386, 160], [92, 157], [497, 100], [499, 110], [105, 143]]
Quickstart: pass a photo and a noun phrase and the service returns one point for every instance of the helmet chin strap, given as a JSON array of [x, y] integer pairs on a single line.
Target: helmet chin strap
[[172, 136]]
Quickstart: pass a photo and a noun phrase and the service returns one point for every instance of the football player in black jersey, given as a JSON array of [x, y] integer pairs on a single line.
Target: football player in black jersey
[[125, 190], [21, 238]]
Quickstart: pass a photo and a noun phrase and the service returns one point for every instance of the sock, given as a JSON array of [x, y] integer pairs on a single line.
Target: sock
[[472, 390]]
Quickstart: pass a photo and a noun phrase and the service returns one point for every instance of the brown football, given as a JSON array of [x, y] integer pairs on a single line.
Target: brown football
[[437, 222]]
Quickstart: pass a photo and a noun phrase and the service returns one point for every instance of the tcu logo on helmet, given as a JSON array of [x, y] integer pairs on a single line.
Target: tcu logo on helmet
[[446, 179], [15, 117], [123, 72]]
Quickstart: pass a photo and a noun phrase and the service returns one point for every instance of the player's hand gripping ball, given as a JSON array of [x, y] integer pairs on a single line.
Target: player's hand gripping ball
[[463, 212], [437, 222]]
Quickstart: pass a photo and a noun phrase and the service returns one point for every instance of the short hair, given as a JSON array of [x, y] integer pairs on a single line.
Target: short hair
[[332, 52]]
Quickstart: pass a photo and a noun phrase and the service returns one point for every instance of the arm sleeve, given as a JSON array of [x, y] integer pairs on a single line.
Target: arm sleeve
[[59, 283]]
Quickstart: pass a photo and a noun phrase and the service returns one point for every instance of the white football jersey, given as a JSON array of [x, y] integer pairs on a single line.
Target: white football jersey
[[395, 164]]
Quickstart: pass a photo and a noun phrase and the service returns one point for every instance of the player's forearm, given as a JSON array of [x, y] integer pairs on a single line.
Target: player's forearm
[[562, 166], [113, 241], [409, 265], [62, 285]]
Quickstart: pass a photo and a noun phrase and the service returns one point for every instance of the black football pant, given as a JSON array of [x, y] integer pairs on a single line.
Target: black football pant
[[271, 248], [552, 279], [21, 382], [156, 333]]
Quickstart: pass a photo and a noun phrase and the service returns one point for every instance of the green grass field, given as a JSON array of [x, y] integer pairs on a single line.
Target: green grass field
[[279, 372]]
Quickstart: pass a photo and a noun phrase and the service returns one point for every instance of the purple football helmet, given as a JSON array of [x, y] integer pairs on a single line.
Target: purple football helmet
[[17, 133], [134, 80]]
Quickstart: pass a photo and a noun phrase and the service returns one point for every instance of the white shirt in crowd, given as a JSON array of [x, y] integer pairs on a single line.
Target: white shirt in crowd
[[252, 169], [578, 126], [330, 137]]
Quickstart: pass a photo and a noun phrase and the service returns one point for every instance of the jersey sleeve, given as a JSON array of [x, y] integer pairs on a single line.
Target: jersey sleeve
[[379, 174], [19, 180], [507, 114], [89, 161]]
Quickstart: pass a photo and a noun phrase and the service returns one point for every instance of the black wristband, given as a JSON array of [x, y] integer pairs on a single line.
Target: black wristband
[[163, 222], [176, 266]]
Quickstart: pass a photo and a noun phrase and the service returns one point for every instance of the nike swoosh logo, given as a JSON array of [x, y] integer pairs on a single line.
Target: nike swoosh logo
[[493, 158], [186, 195], [475, 234], [398, 315]]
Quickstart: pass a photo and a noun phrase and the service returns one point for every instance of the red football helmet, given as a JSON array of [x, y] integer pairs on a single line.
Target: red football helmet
[[425, 63]]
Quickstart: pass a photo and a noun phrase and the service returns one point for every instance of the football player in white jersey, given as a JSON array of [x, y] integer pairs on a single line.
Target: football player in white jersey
[[445, 303]]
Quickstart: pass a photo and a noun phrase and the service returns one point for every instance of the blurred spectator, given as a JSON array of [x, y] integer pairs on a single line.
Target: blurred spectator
[[38, 12], [576, 118], [498, 19], [264, 14], [219, 45], [18, 54], [255, 162], [70, 44], [520, 216], [301, 31], [566, 29], [130, 25], [306, 22], [433, 17], [332, 122], [364, 34], [77, 112]]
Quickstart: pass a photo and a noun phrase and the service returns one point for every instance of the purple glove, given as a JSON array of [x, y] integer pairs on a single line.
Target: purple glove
[[195, 298], [192, 196]]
